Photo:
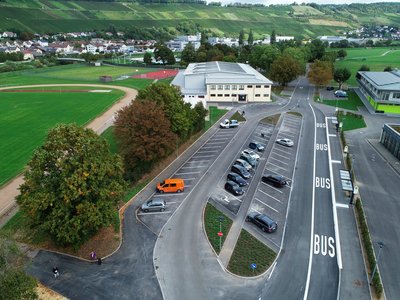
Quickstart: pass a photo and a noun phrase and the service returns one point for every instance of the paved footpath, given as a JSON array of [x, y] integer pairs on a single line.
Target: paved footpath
[[8, 192]]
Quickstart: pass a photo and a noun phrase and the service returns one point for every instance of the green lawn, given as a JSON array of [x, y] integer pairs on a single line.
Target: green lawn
[[351, 103], [351, 121], [249, 250], [213, 224], [376, 58], [215, 114], [25, 119], [77, 73]]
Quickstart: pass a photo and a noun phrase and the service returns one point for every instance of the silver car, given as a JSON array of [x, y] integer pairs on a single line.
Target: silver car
[[252, 153], [285, 142], [153, 205], [243, 163]]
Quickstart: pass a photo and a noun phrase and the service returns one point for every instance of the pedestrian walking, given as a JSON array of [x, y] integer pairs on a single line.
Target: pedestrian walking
[[56, 272], [93, 255], [99, 261]]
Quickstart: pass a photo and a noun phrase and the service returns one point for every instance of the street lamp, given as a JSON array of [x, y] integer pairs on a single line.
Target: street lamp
[[377, 260]]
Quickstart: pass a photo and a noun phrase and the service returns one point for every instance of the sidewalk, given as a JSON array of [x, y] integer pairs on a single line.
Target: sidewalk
[[387, 156]]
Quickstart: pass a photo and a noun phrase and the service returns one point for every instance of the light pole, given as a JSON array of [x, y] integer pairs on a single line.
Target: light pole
[[377, 260]]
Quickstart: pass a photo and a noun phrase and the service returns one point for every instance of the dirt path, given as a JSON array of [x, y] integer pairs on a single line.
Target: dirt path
[[9, 191]]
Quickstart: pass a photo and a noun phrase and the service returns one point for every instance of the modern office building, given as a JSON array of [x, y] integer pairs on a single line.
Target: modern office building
[[222, 82], [381, 89], [390, 138]]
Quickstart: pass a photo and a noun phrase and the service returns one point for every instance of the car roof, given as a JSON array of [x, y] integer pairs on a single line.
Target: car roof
[[156, 200], [232, 183], [265, 219]]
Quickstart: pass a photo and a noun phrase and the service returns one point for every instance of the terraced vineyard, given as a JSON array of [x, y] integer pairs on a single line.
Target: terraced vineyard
[[62, 16]]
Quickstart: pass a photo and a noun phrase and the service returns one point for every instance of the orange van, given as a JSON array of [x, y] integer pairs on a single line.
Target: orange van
[[171, 185]]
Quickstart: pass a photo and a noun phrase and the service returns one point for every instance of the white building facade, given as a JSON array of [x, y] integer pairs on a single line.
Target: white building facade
[[222, 82]]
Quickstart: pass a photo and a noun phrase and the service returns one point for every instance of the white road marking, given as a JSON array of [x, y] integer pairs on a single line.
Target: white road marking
[[276, 165], [276, 199], [335, 219], [272, 271], [266, 205], [207, 151], [342, 205], [202, 156], [277, 149], [278, 160], [194, 167], [285, 157], [154, 213], [336, 161], [178, 173], [198, 161], [270, 186], [332, 135]]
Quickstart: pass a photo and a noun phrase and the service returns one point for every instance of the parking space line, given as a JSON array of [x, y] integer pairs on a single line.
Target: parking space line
[[218, 139], [198, 161], [216, 142], [270, 186], [285, 157], [276, 199], [276, 166], [168, 194], [278, 160], [281, 150], [178, 173], [193, 167], [291, 122], [286, 133], [259, 139], [278, 174], [189, 178], [154, 213], [266, 205], [208, 147], [207, 151], [203, 156]]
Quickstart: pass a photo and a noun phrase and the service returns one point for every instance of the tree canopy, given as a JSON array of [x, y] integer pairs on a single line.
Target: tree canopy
[[72, 185], [320, 73], [341, 75], [262, 56], [164, 54], [285, 69], [188, 54]]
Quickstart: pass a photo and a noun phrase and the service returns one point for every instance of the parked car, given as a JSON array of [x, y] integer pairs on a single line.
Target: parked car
[[340, 94], [171, 185], [256, 146], [330, 88], [249, 159], [252, 153], [241, 171], [275, 180], [243, 163], [285, 142], [237, 178], [153, 205], [229, 124], [263, 221], [233, 188]]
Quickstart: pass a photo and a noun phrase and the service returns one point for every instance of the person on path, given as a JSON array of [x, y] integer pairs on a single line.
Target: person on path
[[56, 272]]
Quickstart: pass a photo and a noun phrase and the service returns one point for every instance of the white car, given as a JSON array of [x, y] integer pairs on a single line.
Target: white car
[[250, 152], [285, 142]]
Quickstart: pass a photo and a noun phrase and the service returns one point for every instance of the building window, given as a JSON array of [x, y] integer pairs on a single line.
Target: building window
[[234, 95], [257, 95], [226, 95], [241, 87], [258, 86], [212, 87], [219, 95], [396, 95], [227, 87], [234, 87], [266, 95], [201, 96], [266, 86], [220, 86], [212, 95], [249, 86]]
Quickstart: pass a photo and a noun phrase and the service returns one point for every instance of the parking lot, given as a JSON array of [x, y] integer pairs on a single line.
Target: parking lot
[[261, 134], [191, 171], [271, 200]]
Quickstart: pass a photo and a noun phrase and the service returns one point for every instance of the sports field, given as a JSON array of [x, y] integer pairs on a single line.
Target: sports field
[[77, 73], [376, 58], [26, 117]]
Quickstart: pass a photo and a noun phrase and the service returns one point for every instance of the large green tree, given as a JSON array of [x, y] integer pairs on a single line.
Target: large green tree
[[164, 54], [320, 73], [262, 56], [188, 54], [241, 37], [317, 48], [144, 136], [72, 185], [147, 58], [170, 99], [341, 75], [285, 69], [250, 39]]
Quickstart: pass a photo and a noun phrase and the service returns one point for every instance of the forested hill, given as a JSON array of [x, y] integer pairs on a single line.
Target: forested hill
[[49, 16]]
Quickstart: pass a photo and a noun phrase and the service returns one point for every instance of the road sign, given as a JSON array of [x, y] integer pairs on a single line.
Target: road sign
[[253, 266], [220, 233], [221, 218]]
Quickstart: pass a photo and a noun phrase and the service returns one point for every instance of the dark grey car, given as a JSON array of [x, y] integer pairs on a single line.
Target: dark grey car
[[241, 171], [237, 178], [233, 188], [263, 221], [249, 159]]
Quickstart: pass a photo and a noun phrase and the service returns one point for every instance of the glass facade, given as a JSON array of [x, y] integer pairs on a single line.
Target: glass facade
[[390, 138]]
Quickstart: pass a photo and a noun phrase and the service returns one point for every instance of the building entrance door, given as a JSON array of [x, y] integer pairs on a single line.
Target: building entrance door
[[242, 98]]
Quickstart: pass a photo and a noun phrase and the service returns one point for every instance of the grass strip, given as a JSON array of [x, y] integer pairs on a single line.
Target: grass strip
[[271, 119], [215, 221], [215, 114], [351, 121], [238, 116], [367, 243], [351, 103], [250, 250]]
